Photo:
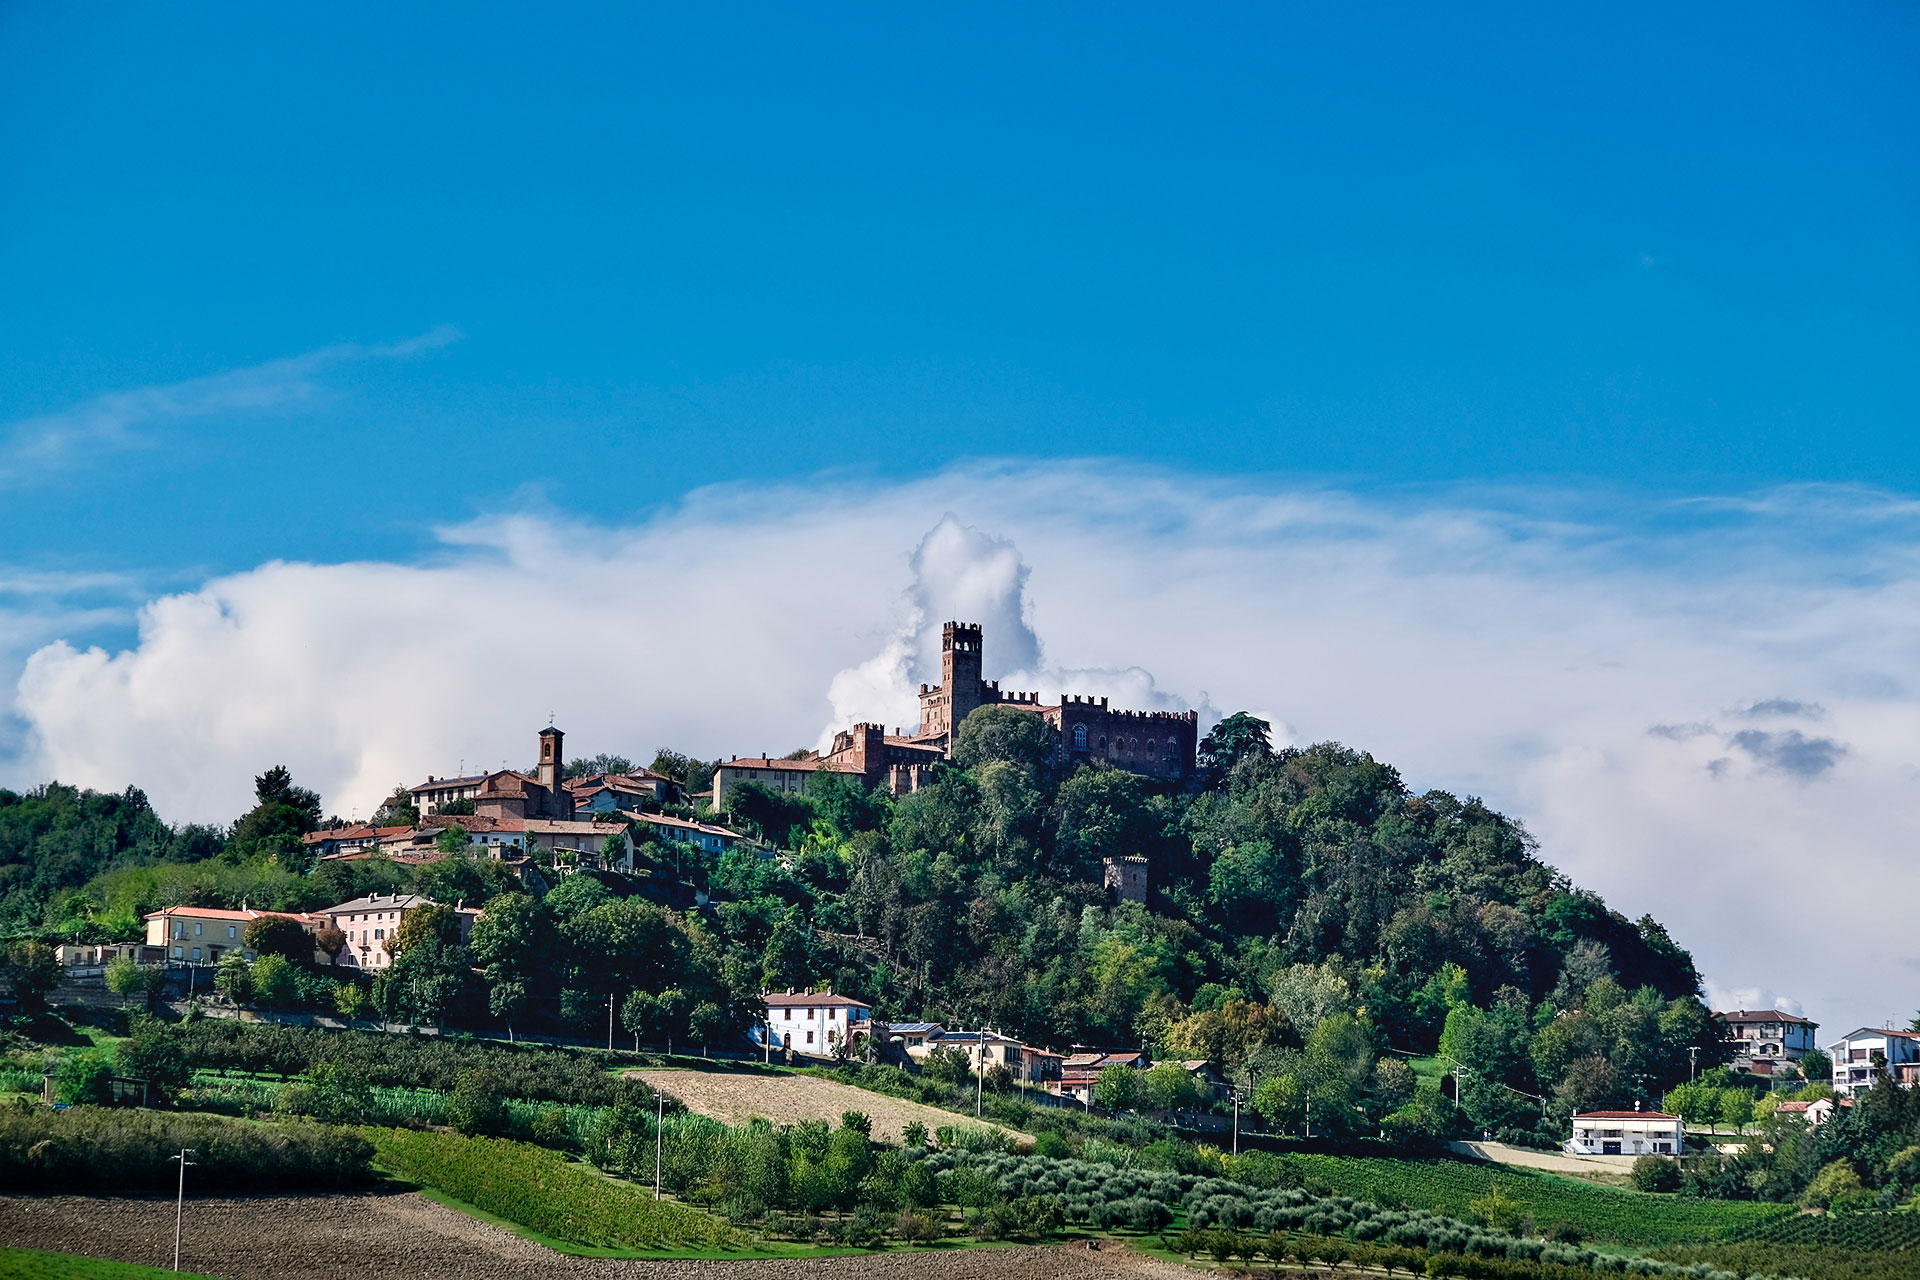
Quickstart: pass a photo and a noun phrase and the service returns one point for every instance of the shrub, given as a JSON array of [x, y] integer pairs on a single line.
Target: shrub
[[915, 1227], [88, 1148], [1656, 1173], [82, 1078], [475, 1106]]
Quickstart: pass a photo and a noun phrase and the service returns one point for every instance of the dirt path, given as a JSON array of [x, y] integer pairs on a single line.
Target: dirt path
[[404, 1236], [1584, 1166], [733, 1098]]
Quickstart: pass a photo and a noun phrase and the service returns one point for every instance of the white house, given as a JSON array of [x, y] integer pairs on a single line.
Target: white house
[[1625, 1133], [815, 1022], [1815, 1113], [702, 835], [1862, 1057]]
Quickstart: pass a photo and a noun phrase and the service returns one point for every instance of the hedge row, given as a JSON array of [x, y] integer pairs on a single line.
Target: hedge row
[[533, 1072], [544, 1192], [90, 1148]]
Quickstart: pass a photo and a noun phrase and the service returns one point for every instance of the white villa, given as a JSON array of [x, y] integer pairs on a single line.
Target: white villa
[[813, 1022], [1625, 1133], [1854, 1065]]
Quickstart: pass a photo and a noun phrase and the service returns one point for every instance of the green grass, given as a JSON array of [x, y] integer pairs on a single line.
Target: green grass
[[546, 1193], [1429, 1068], [1604, 1214], [32, 1264]]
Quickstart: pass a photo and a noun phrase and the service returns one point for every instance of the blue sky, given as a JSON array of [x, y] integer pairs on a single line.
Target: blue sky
[[1581, 344], [1635, 247]]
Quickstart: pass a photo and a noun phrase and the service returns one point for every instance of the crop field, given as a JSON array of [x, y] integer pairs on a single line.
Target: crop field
[[1601, 1213], [1874, 1232], [734, 1098], [546, 1193]]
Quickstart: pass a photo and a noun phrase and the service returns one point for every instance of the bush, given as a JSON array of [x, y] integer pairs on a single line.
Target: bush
[[1656, 1173], [915, 1227], [88, 1148], [542, 1191], [475, 1106], [83, 1078]]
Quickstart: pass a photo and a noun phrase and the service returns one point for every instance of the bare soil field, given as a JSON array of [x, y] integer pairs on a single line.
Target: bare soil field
[[734, 1098], [404, 1236]]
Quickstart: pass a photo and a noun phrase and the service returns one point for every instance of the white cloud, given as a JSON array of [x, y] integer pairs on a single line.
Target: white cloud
[[1593, 675], [112, 420]]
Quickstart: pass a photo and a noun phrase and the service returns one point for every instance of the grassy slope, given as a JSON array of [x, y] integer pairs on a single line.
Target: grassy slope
[[31, 1264], [1602, 1213]]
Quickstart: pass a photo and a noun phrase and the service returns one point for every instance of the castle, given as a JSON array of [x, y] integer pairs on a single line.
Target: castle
[[1158, 744]]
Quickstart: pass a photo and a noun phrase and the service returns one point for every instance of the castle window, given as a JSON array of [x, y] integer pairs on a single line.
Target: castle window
[[1079, 737], [1149, 746]]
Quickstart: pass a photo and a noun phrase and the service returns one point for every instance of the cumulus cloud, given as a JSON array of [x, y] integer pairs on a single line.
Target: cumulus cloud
[[113, 420], [1513, 647]]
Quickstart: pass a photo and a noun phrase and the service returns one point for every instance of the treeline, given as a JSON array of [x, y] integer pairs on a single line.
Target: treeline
[[90, 1148]]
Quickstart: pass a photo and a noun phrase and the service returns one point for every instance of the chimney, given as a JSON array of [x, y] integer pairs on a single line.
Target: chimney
[[1636, 1104]]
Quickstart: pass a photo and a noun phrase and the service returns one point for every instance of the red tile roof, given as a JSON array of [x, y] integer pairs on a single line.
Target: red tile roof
[[817, 999], [1624, 1115]]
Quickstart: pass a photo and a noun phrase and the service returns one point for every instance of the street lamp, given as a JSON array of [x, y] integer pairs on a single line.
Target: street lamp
[[180, 1201], [1238, 1098]]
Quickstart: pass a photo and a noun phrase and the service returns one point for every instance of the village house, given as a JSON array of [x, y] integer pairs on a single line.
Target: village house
[[784, 777], [1625, 1133], [1207, 1080], [331, 842], [624, 792], [1815, 1113], [370, 922], [909, 1036], [814, 1022], [96, 955], [506, 793], [702, 835], [1079, 1071], [985, 1050], [1762, 1038], [1861, 1057], [204, 935]]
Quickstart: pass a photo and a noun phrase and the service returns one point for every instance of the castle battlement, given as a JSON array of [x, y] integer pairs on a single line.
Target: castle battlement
[[1134, 717]]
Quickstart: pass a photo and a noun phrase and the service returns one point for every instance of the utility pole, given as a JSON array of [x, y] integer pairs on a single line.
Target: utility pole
[[180, 1202], [609, 1022], [1309, 1115], [980, 1078], [1236, 1122], [659, 1137], [1693, 1062]]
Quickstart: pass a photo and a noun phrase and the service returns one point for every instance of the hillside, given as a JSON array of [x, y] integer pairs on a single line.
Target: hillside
[[1310, 917]]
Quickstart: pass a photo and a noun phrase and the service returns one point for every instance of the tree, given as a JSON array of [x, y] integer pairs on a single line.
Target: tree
[[1006, 733], [274, 982], [431, 921], [330, 940], [349, 1000], [1234, 739], [1169, 1086], [280, 936], [593, 766], [397, 810], [234, 979], [1117, 1087], [505, 999], [83, 1077], [1816, 1066], [271, 830], [149, 1053], [1735, 1109], [475, 1105], [125, 976], [30, 970], [1656, 1173], [514, 939]]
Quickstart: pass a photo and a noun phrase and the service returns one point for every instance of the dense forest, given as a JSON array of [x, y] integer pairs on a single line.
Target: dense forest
[[1312, 923]]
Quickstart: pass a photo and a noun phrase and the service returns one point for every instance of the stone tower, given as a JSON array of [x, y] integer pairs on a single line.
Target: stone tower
[[553, 772], [960, 672]]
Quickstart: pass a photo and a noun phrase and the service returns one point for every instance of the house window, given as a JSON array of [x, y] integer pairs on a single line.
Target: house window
[[1079, 737], [379, 934], [786, 1015], [233, 931], [179, 931], [196, 953], [809, 1037], [176, 953]]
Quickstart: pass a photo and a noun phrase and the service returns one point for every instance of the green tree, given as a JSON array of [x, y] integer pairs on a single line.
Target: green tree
[[151, 1053], [278, 936], [125, 976], [505, 1000], [29, 970], [1234, 739], [234, 979], [349, 1000], [271, 830], [431, 921], [274, 982], [83, 1077], [1118, 1087], [1170, 1087], [475, 1105], [1656, 1173]]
